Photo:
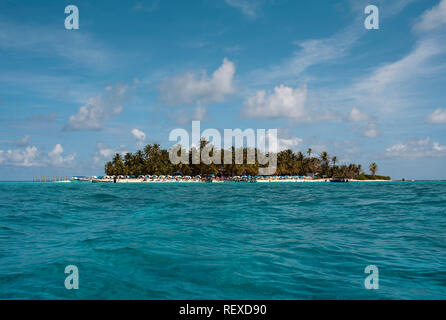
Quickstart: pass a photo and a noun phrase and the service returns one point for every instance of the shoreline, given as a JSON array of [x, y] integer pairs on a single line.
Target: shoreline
[[193, 181]]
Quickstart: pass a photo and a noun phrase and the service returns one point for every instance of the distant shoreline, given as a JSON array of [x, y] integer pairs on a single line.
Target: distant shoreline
[[352, 180], [230, 180]]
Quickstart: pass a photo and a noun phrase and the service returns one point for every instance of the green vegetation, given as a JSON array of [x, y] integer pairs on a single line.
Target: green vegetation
[[373, 168], [371, 177], [153, 160]]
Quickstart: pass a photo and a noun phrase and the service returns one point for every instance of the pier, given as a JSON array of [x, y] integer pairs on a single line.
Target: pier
[[55, 179]]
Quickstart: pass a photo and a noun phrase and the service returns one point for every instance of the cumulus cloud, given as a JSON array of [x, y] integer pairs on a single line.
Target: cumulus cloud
[[416, 148], [31, 157], [438, 116], [432, 19], [98, 109], [190, 88], [371, 130], [56, 158], [20, 157], [279, 144], [140, 136], [291, 143], [105, 153], [284, 102], [357, 116]]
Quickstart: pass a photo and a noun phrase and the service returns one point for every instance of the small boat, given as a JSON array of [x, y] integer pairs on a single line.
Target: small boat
[[338, 179]]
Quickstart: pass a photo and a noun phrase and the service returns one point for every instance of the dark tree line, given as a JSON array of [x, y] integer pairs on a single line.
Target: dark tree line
[[153, 160]]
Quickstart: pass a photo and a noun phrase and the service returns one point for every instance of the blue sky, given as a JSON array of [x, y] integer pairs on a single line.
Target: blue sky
[[135, 70]]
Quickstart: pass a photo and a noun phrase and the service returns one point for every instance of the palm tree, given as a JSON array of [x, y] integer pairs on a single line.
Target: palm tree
[[373, 168], [324, 157], [154, 160]]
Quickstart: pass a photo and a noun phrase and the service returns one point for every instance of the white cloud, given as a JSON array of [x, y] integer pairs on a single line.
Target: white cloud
[[20, 157], [357, 116], [284, 102], [31, 157], [99, 109], [437, 147], [432, 19], [291, 143], [416, 148], [140, 136], [190, 88], [371, 130], [105, 153], [438, 116], [311, 52], [393, 85], [56, 158], [278, 144], [314, 52]]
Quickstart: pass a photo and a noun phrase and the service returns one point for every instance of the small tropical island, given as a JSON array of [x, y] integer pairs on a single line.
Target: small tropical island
[[152, 164]]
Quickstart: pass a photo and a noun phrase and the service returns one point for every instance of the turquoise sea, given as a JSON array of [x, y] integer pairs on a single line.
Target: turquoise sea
[[223, 241]]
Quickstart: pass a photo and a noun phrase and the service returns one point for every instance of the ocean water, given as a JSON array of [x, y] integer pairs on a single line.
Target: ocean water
[[223, 241]]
